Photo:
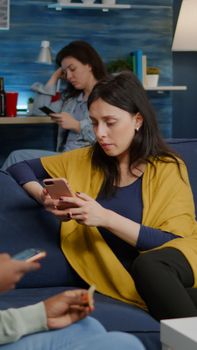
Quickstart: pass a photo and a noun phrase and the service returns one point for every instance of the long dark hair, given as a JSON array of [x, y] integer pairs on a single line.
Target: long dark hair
[[126, 92], [86, 54]]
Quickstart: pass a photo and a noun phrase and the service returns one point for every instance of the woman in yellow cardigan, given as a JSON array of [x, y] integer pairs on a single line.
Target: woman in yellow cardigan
[[131, 228]]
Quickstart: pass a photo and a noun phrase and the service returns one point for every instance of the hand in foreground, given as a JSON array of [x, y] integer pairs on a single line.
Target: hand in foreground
[[66, 308], [66, 121], [11, 271]]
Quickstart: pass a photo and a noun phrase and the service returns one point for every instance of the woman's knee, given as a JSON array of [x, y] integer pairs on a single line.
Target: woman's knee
[[142, 265]]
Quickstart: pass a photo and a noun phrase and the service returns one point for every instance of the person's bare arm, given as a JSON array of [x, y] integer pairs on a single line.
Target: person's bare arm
[[35, 190]]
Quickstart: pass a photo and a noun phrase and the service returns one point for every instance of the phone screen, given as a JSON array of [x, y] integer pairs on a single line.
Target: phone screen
[[29, 254], [46, 110]]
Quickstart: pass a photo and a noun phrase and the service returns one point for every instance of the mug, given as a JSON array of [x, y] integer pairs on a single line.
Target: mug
[[11, 104]]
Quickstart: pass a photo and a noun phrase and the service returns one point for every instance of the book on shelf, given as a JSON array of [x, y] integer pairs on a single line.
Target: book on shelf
[[144, 70], [138, 57], [139, 63]]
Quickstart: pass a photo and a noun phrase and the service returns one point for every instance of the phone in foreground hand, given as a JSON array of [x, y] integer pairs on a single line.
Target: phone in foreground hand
[[59, 187], [46, 110], [31, 254], [91, 291]]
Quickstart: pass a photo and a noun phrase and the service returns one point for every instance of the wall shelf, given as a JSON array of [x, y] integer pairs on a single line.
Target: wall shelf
[[167, 88], [59, 6]]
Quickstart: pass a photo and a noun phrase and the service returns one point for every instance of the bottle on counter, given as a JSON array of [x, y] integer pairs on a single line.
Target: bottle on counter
[[2, 99]]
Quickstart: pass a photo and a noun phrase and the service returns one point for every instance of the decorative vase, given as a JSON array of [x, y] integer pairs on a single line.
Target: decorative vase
[[152, 80], [29, 108]]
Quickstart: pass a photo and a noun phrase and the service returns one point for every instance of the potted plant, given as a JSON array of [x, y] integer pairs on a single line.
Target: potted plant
[[152, 76], [120, 64]]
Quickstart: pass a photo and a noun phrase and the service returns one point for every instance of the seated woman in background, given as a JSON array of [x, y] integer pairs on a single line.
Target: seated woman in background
[[131, 227], [81, 67]]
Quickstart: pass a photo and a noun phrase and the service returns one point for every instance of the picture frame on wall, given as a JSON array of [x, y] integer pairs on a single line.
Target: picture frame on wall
[[4, 14]]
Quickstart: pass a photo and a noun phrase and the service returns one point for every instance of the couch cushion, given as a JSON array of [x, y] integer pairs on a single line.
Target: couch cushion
[[187, 148], [22, 227]]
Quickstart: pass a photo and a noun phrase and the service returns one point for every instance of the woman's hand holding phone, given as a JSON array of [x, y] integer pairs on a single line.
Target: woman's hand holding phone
[[66, 121], [47, 201], [85, 210], [55, 194], [46, 110], [63, 203]]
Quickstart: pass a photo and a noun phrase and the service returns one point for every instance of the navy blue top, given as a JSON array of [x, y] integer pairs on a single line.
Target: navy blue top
[[28, 170], [127, 201]]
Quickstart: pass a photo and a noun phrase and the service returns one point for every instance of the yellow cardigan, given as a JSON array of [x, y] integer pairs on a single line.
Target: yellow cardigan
[[167, 205]]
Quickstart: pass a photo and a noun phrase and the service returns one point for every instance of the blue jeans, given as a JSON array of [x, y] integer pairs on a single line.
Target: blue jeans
[[84, 335], [24, 154]]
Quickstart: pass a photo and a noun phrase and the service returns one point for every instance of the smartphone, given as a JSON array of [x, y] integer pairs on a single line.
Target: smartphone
[[91, 291], [59, 187], [31, 254], [46, 110]]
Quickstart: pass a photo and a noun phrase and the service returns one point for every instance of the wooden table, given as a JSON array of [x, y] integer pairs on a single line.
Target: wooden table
[[25, 120]]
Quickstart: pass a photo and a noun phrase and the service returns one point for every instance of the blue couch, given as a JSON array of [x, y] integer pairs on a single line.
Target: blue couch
[[25, 224]]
